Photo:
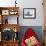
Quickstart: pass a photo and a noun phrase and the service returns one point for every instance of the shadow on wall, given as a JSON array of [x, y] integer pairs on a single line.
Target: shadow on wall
[[37, 29]]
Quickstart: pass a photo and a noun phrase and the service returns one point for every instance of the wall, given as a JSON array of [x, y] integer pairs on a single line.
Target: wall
[[27, 4], [39, 13]]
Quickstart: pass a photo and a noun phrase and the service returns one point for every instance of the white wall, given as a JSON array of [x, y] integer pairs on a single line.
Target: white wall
[[39, 12], [27, 4]]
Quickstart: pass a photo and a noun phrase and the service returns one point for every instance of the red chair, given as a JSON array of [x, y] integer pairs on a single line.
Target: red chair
[[29, 33]]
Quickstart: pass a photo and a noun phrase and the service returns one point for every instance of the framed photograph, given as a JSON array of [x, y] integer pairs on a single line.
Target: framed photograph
[[10, 20], [13, 12], [5, 12], [29, 13], [13, 20]]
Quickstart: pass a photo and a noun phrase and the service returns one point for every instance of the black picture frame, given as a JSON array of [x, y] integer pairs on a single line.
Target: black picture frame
[[29, 13]]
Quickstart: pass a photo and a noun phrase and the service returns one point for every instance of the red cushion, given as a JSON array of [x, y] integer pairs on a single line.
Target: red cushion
[[29, 33]]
